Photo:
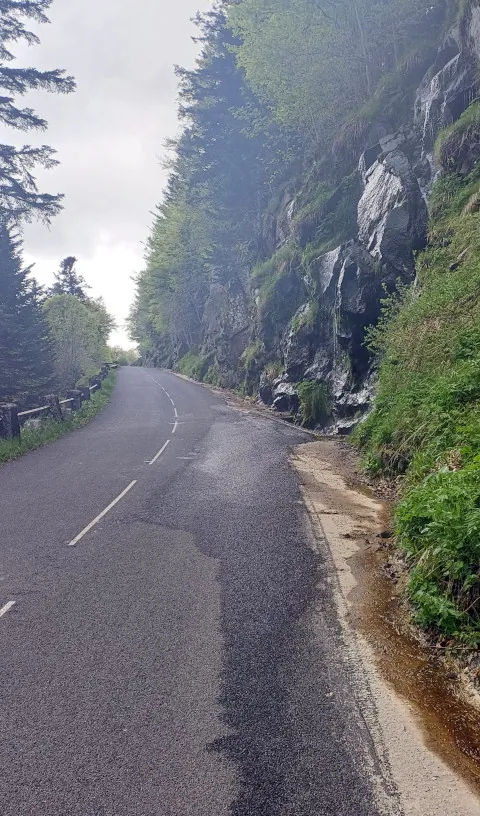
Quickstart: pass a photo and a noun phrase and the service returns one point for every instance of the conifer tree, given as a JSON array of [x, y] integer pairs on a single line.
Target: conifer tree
[[20, 199], [26, 360], [68, 281]]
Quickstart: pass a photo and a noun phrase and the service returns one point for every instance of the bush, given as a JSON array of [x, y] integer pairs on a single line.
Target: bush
[[314, 402], [438, 526], [193, 365], [455, 142]]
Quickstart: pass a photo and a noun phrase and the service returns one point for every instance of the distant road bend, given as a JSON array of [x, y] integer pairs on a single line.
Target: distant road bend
[[161, 652]]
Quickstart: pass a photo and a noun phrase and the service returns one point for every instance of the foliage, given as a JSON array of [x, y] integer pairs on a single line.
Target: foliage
[[26, 355], [206, 230], [68, 281], [454, 141], [297, 54], [267, 274], [427, 415], [251, 355], [124, 357], [79, 332], [50, 430], [193, 365], [307, 317], [20, 199], [315, 402], [438, 525]]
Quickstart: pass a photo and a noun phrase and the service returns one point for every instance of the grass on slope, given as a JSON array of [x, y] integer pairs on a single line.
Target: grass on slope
[[51, 430], [426, 422]]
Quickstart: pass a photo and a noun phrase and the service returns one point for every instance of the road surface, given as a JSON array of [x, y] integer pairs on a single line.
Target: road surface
[[181, 655]]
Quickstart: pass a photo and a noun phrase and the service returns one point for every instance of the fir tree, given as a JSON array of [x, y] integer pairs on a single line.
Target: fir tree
[[68, 281], [20, 199], [26, 361]]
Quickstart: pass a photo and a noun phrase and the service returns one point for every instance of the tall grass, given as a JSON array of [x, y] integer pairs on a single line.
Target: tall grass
[[426, 422]]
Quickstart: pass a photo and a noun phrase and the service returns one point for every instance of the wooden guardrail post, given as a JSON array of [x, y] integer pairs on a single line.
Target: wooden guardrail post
[[95, 381], [54, 407], [85, 392], [76, 397], [9, 424]]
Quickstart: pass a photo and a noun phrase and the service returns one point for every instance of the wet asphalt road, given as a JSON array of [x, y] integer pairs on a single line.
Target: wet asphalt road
[[184, 658]]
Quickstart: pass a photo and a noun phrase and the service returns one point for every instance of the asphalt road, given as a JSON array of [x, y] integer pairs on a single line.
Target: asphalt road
[[183, 658]]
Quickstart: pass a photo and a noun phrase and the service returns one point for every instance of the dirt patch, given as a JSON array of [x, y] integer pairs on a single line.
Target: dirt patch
[[430, 733]]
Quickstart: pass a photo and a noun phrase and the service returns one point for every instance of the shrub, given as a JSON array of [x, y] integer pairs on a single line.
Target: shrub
[[314, 402], [426, 421], [193, 365]]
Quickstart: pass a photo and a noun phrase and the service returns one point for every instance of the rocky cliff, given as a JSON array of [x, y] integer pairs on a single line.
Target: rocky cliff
[[301, 315]]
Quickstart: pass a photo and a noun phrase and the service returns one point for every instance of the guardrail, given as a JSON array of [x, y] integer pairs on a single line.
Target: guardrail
[[11, 419]]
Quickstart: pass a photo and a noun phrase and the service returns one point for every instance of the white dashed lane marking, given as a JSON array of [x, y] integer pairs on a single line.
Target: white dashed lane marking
[[102, 514], [6, 608]]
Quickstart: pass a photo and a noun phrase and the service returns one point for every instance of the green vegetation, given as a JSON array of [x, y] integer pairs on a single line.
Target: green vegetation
[[265, 276], [20, 199], [315, 402], [275, 113], [79, 331], [193, 365], [426, 422], [124, 357], [49, 431], [252, 354], [307, 318], [454, 142]]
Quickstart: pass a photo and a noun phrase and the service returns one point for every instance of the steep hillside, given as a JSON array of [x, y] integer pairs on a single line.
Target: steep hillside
[[297, 192]]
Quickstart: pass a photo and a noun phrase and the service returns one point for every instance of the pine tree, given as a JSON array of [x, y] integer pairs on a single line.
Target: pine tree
[[68, 281], [26, 360], [20, 199]]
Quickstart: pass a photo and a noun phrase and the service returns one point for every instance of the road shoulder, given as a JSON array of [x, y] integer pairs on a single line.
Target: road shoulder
[[349, 520]]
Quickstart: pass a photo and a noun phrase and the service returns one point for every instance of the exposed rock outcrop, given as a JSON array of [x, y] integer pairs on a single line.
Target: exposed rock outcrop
[[324, 340]]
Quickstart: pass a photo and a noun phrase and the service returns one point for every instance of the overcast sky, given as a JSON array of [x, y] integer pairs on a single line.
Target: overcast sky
[[109, 134]]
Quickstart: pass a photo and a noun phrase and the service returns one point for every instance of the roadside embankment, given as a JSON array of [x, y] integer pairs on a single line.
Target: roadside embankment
[[413, 701]]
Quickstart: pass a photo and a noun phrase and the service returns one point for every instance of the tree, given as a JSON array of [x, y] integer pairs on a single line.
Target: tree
[[79, 332], [317, 62], [207, 229], [20, 199], [68, 281], [26, 359]]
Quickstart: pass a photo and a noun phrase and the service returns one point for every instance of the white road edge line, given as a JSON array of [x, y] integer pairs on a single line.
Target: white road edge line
[[6, 608], [175, 427], [160, 452], [176, 412], [102, 514]]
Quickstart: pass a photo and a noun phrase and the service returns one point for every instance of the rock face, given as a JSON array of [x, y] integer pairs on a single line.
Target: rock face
[[226, 323], [450, 86], [392, 213], [338, 240], [342, 289], [324, 340]]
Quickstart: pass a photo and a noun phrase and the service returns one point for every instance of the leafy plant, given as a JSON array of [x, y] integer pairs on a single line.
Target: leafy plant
[[315, 402], [426, 422], [193, 365]]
